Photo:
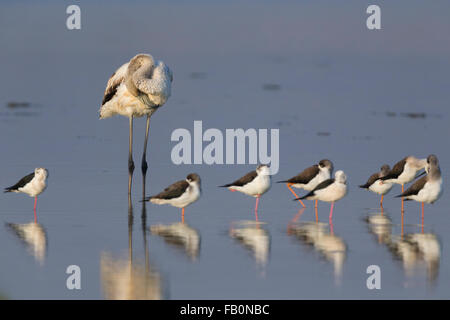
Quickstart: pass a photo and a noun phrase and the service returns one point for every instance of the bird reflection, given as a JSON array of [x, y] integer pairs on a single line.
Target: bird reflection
[[316, 234], [254, 237], [33, 236], [126, 278], [416, 250], [180, 235], [380, 226]]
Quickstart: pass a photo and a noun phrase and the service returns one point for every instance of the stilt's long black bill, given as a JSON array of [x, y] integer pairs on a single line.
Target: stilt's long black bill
[[421, 174]]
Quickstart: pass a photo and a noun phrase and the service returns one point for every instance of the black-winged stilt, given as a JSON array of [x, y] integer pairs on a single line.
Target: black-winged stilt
[[405, 171], [254, 183], [330, 190], [310, 178], [32, 184], [180, 194], [375, 184], [427, 189]]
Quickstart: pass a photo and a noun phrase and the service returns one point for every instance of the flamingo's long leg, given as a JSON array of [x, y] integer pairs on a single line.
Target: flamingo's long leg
[[144, 165], [130, 157]]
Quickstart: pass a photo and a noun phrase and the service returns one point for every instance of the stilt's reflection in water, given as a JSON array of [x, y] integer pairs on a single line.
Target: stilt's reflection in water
[[33, 236], [330, 246], [416, 250], [180, 235], [381, 227], [126, 278], [254, 237]]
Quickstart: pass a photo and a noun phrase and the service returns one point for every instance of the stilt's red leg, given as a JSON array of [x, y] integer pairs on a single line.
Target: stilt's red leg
[[381, 202], [402, 225], [315, 205], [331, 212], [422, 216], [296, 196], [182, 215], [34, 209], [402, 198], [256, 207], [317, 215]]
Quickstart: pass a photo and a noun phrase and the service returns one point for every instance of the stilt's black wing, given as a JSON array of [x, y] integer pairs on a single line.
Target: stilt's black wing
[[371, 181], [242, 181], [415, 188], [320, 186], [305, 176], [173, 191], [396, 170], [21, 183]]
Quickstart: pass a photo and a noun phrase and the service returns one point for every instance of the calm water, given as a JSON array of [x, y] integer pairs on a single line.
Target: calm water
[[334, 90]]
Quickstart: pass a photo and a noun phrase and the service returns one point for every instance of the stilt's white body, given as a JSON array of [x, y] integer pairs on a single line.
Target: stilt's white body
[[258, 186], [191, 195], [411, 168], [408, 175], [334, 192], [323, 175], [37, 185], [431, 192], [381, 187], [34, 188]]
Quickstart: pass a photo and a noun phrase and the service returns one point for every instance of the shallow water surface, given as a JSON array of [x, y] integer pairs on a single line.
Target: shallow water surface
[[360, 102]]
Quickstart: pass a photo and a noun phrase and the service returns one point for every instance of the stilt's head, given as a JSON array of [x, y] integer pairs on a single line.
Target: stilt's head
[[432, 160], [340, 177], [193, 178], [41, 173], [384, 170], [432, 167], [416, 163], [326, 165], [263, 169]]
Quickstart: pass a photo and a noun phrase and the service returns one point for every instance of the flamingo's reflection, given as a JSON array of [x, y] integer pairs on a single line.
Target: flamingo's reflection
[[130, 278], [180, 235], [416, 250], [253, 236], [33, 236], [324, 241]]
